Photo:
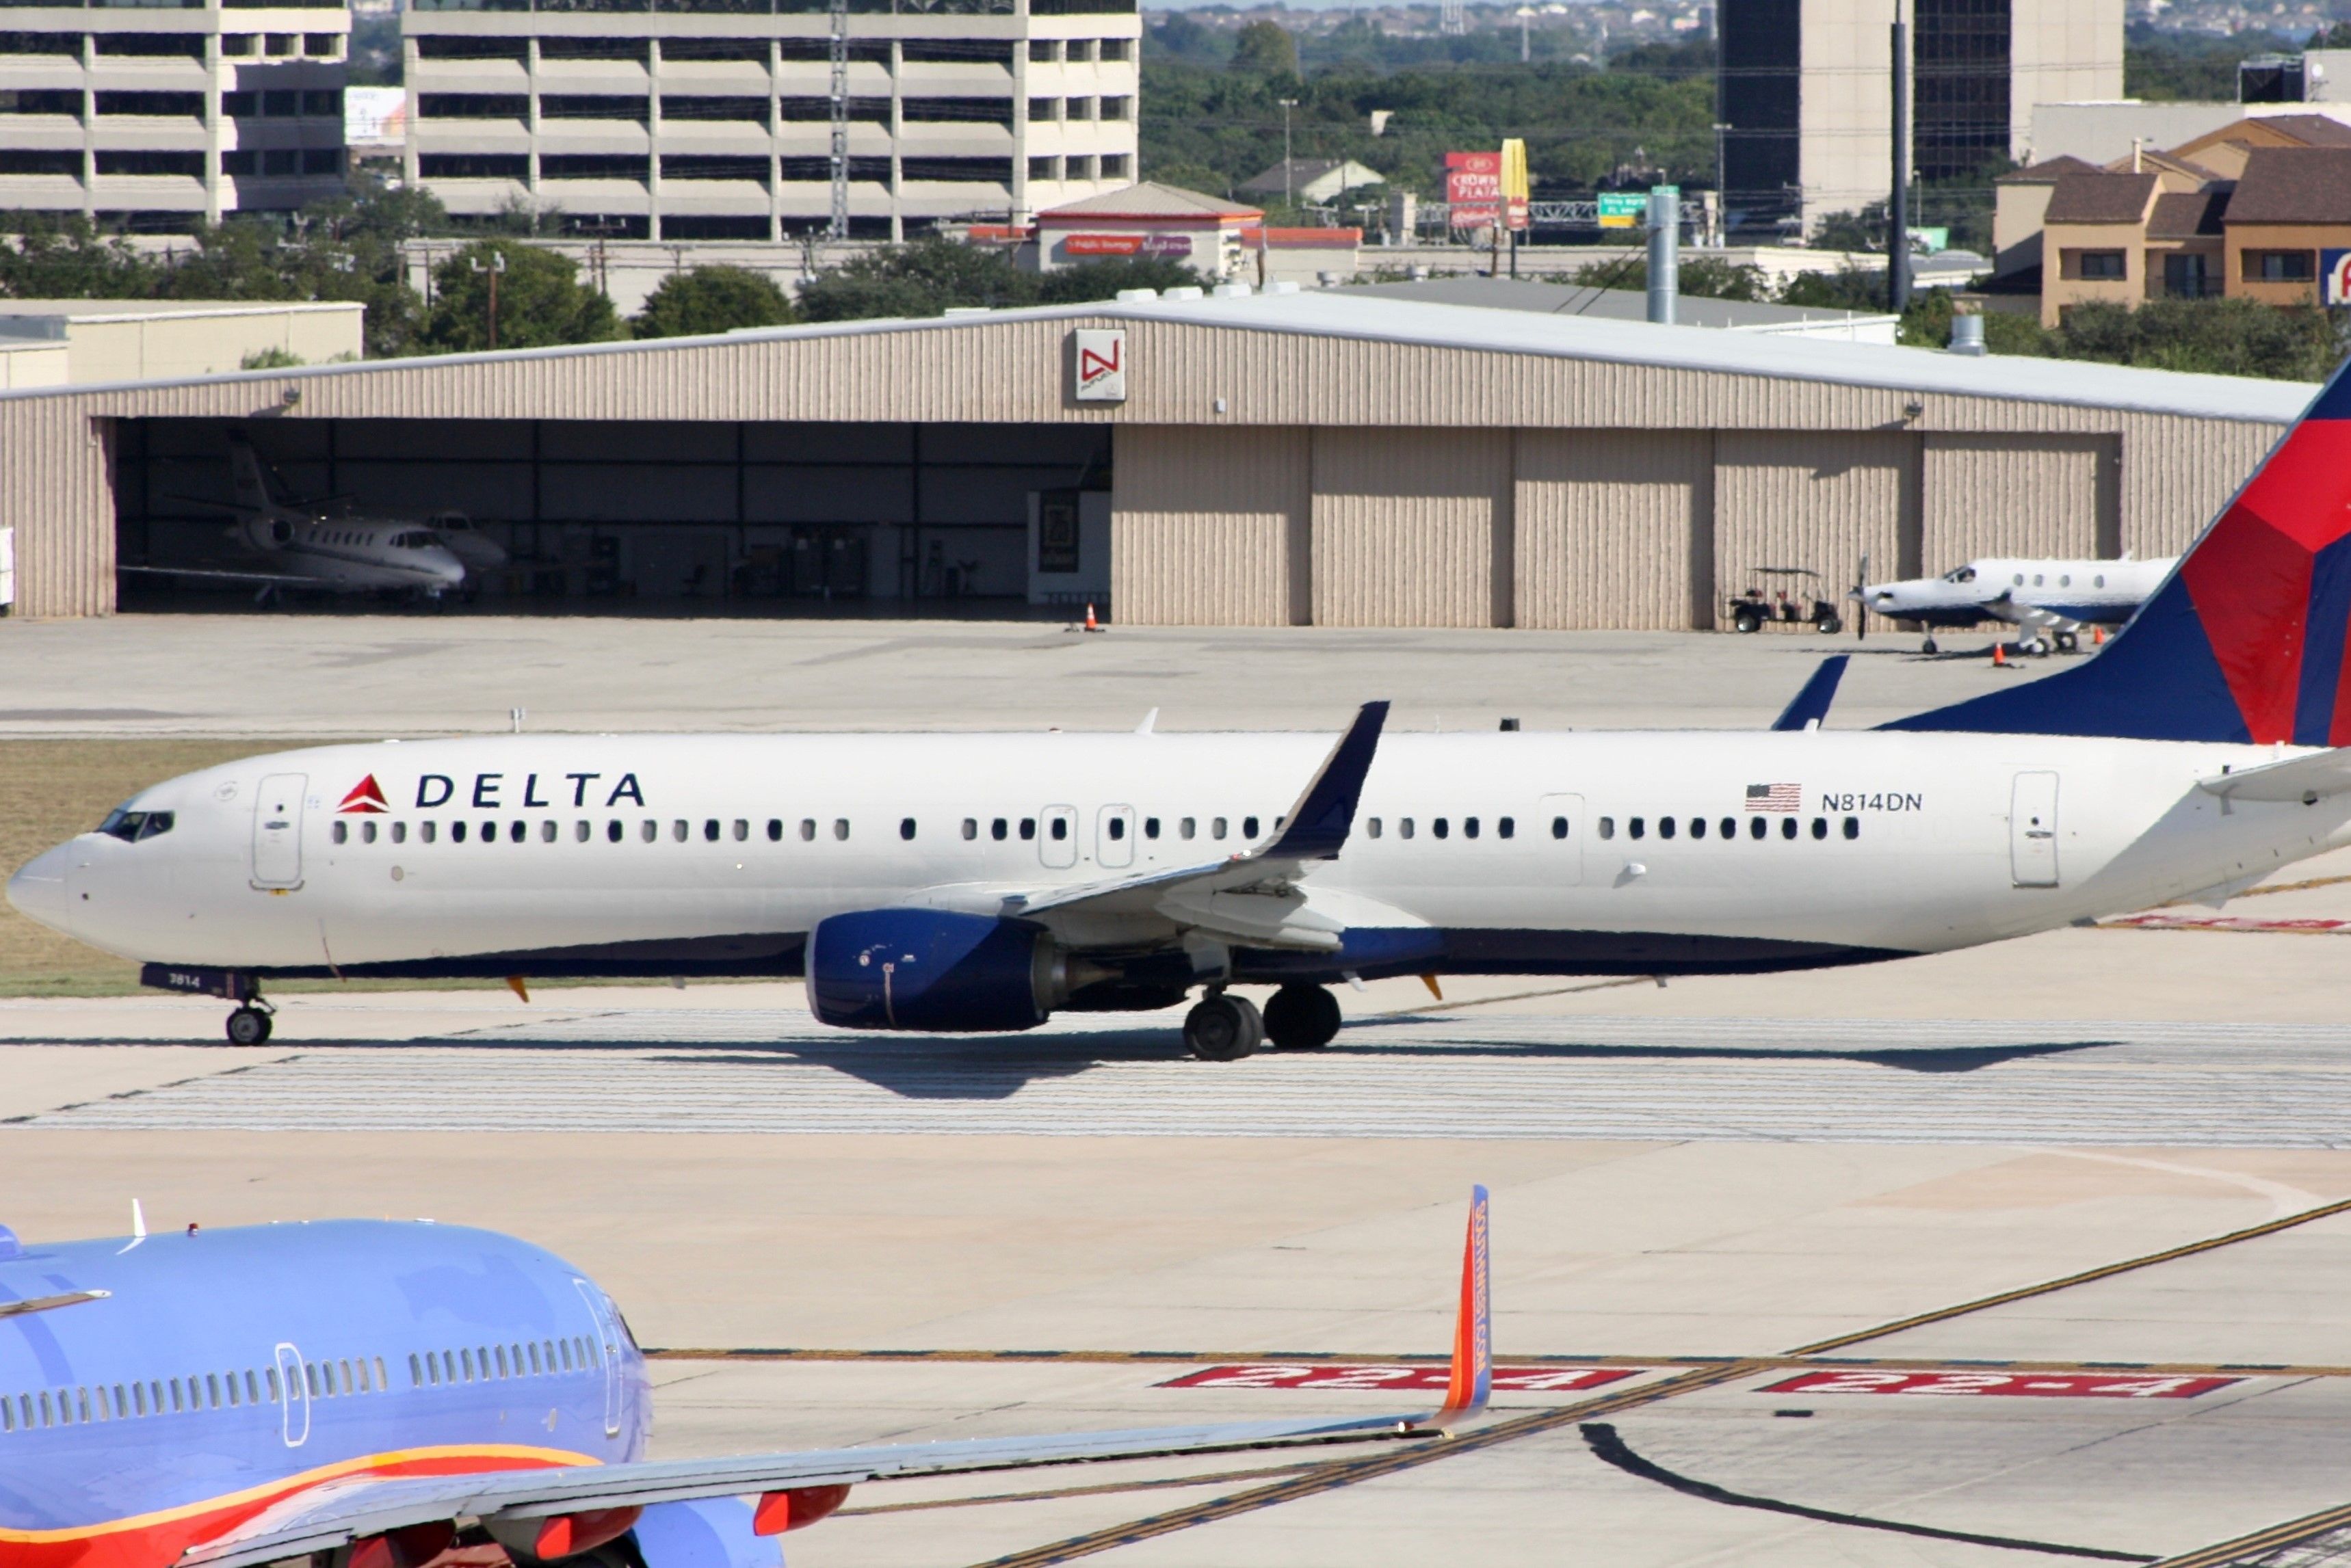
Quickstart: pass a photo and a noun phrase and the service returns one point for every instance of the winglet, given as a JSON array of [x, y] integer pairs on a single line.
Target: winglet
[[1810, 705], [1318, 825], [1473, 1329]]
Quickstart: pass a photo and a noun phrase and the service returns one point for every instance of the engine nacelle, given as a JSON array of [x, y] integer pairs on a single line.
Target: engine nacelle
[[933, 969]]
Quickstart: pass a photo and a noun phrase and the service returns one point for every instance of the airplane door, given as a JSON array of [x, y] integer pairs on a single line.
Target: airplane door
[[1558, 838], [1114, 835], [2032, 830], [608, 1336], [278, 831], [293, 1395], [1057, 835]]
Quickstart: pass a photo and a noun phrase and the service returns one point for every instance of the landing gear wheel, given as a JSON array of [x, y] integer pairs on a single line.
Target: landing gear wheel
[[2068, 642], [1301, 1018], [2038, 647], [1928, 647], [248, 1027], [1222, 1029]]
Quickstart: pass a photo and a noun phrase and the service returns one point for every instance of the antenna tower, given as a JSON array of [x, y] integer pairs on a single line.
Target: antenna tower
[[1451, 21]]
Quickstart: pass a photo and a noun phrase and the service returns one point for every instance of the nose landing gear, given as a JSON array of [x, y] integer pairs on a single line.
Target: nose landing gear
[[250, 1024]]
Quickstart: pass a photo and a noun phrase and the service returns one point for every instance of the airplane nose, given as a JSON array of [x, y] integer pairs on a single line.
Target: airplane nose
[[38, 890]]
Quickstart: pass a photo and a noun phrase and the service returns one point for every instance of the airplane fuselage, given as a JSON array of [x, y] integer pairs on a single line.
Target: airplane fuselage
[[1502, 853], [2018, 591]]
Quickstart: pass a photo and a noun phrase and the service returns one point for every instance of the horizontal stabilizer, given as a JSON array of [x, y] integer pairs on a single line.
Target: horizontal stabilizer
[[2309, 779]]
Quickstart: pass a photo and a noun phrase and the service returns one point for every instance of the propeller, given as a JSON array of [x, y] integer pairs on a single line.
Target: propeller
[[1861, 600]]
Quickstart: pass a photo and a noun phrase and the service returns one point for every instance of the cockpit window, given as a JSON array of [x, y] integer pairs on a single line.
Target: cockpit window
[[131, 825], [1964, 575]]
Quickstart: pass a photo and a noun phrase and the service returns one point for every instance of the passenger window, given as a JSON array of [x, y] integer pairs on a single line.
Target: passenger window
[[1469, 827], [742, 830], [547, 831], [490, 832], [649, 830], [678, 829], [1757, 827], [428, 831], [1820, 827], [1853, 827], [456, 832], [341, 832], [710, 830], [808, 829], [1638, 828], [2100, 580], [906, 828], [775, 830], [400, 833], [579, 832], [1441, 827], [1698, 828], [971, 827], [1215, 827], [1186, 827], [367, 832], [1117, 829], [1027, 828], [1249, 828], [1059, 828], [2067, 580], [1728, 827], [998, 829], [465, 1361], [1665, 827], [840, 827], [1150, 827], [1787, 827], [1559, 826], [415, 1371], [1404, 828], [613, 831], [1505, 827], [1372, 826]]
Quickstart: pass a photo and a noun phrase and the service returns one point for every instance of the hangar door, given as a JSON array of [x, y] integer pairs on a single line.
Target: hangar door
[[1816, 500], [1615, 529], [1208, 526], [2010, 494], [1412, 527]]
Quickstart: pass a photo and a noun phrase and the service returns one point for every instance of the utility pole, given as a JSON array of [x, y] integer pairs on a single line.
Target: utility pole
[[838, 229], [1897, 209], [497, 265], [1288, 197]]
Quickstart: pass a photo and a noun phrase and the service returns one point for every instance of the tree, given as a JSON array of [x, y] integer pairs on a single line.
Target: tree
[[1701, 278], [2218, 336], [1104, 279], [711, 299], [922, 278], [542, 301], [1264, 49], [67, 259]]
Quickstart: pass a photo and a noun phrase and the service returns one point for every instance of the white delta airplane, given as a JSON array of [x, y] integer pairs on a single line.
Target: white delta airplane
[[307, 548], [2054, 601], [974, 882]]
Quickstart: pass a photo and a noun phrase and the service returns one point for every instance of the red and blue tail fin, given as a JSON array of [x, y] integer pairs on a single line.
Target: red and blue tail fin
[[2245, 641], [1472, 1376]]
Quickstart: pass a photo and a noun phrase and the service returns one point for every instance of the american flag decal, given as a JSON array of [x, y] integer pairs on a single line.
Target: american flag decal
[[1774, 797]]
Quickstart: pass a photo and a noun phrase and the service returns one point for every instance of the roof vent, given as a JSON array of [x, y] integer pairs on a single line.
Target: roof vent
[[1291, 287], [1182, 293], [1232, 291], [1137, 296]]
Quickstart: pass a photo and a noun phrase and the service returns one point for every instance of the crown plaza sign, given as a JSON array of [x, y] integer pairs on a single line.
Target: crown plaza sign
[[1098, 365]]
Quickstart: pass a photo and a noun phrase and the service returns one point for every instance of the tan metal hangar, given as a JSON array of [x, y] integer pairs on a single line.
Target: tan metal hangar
[[1283, 459]]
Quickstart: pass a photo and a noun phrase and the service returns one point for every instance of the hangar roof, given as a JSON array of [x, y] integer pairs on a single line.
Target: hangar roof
[[1349, 314]]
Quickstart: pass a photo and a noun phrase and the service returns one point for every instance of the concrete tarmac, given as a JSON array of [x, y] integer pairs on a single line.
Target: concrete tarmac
[[1711, 1189]]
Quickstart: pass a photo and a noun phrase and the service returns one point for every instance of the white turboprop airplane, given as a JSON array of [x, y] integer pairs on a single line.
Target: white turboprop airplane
[[308, 549], [2055, 601], [956, 882]]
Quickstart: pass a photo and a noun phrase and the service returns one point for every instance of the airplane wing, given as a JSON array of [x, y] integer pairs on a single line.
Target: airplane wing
[[216, 575], [2309, 778], [1314, 829], [2032, 615], [542, 1509]]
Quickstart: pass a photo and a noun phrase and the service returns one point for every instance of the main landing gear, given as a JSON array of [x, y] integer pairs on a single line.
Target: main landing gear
[[250, 1024], [1225, 1028]]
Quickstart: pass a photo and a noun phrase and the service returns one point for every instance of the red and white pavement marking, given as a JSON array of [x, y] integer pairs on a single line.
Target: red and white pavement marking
[[1427, 1375], [2026, 1384]]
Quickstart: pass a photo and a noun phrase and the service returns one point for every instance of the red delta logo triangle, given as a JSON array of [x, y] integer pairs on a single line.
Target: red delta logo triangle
[[366, 795], [1091, 365]]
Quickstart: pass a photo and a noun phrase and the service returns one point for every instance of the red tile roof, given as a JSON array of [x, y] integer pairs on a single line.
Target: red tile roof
[[2293, 186], [2099, 198]]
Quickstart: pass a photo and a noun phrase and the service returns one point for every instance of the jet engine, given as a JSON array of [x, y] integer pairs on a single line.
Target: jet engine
[[939, 970]]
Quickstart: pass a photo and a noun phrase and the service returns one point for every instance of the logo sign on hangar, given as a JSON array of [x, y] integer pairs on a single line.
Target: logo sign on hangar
[[1098, 365]]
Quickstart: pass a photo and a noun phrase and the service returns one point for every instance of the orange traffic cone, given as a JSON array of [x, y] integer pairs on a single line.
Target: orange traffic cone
[[2098, 637], [1999, 656], [1092, 624]]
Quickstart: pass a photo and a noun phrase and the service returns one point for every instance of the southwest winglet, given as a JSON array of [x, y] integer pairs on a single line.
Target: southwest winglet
[[1318, 825], [1810, 707], [1473, 1330]]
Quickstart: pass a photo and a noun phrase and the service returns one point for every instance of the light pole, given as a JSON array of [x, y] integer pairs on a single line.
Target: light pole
[[1287, 105], [497, 265]]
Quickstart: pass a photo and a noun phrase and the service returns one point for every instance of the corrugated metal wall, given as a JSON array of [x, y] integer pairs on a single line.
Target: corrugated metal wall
[[1610, 524], [55, 491], [1211, 527], [1412, 527], [2012, 494], [1813, 499], [2178, 474]]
